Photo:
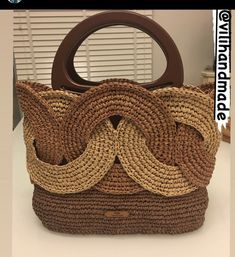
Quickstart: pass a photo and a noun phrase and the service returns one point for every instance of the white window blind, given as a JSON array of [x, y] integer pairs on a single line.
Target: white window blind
[[113, 52]]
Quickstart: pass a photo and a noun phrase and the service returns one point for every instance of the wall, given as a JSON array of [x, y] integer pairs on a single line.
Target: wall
[[17, 115], [192, 32], [6, 75]]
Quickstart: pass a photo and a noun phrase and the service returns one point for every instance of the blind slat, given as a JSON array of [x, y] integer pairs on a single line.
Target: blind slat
[[116, 51]]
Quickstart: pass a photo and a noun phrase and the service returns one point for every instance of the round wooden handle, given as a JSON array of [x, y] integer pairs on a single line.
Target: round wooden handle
[[63, 71]]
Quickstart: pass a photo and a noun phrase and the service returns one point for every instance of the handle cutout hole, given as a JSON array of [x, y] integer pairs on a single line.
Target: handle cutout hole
[[119, 52]]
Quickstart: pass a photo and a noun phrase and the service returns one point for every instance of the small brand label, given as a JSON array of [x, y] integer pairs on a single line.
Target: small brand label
[[116, 214]]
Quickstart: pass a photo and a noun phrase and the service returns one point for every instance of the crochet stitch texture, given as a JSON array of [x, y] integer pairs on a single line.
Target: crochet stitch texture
[[165, 144]]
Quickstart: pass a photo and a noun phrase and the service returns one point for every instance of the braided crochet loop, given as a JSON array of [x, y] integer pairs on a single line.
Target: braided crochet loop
[[163, 144], [124, 99]]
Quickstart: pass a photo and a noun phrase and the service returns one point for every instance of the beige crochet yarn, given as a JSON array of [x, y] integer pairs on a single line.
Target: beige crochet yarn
[[166, 141]]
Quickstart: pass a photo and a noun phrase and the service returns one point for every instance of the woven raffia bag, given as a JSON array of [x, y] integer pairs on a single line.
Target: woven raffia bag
[[118, 157]]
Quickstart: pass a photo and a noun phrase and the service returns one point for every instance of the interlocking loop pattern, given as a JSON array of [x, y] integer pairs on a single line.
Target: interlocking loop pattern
[[166, 140]]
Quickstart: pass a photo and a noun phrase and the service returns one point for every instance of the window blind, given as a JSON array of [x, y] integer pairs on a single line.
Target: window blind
[[112, 52]]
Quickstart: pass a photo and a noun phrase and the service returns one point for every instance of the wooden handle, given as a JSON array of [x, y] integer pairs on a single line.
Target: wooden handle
[[63, 71]]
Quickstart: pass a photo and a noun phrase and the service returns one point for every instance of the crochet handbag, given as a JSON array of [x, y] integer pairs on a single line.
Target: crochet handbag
[[118, 157]]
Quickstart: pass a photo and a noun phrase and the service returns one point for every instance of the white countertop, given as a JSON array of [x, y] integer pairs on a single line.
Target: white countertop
[[31, 239]]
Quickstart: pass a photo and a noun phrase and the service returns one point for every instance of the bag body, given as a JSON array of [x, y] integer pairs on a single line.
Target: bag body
[[118, 157]]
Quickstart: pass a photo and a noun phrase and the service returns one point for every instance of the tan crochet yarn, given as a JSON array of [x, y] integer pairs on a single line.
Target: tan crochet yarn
[[115, 156], [124, 99], [154, 152], [153, 166], [194, 109]]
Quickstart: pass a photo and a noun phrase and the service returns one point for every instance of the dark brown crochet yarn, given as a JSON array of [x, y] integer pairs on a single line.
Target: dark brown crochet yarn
[[196, 164], [126, 100], [116, 181], [116, 156], [94, 212], [165, 142]]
